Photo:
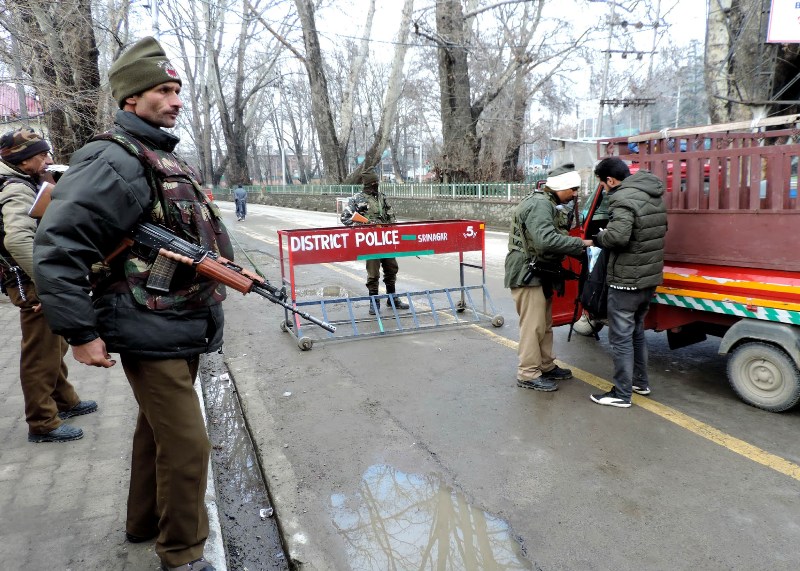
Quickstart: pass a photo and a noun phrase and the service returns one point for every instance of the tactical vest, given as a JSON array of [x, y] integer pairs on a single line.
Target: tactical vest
[[180, 205], [516, 236], [517, 239], [378, 209]]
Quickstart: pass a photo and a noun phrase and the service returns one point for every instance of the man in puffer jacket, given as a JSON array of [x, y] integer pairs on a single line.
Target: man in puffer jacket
[[49, 396], [119, 179], [634, 239]]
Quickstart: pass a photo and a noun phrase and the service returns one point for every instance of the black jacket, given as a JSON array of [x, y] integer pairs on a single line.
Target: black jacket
[[102, 196]]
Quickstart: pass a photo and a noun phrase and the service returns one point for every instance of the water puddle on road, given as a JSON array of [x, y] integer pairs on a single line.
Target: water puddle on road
[[411, 521]]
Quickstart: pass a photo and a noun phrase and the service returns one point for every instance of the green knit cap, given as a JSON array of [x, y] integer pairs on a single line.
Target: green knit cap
[[143, 66], [369, 178]]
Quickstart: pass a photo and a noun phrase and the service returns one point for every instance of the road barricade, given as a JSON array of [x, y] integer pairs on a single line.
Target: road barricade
[[428, 309]]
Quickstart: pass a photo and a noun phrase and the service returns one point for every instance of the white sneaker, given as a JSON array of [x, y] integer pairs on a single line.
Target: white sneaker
[[610, 399], [641, 390]]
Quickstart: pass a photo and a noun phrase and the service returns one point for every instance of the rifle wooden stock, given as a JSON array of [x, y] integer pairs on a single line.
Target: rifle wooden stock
[[208, 264], [359, 218]]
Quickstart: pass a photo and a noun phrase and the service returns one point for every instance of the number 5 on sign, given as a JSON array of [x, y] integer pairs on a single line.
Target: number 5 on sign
[[469, 233]]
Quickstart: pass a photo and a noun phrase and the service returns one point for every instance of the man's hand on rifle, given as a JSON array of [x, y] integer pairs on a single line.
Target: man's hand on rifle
[[93, 353]]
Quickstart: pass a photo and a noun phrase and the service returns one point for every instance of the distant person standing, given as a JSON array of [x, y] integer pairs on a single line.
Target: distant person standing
[[240, 196], [539, 234], [634, 238], [371, 203], [49, 396]]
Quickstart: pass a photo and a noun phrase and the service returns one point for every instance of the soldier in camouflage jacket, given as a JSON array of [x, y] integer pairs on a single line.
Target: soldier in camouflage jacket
[[371, 203]]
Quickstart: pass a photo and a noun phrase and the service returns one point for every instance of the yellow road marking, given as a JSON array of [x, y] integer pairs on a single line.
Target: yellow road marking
[[736, 445], [693, 425]]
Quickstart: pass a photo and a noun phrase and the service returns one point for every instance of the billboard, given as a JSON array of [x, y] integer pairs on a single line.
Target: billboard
[[784, 22]]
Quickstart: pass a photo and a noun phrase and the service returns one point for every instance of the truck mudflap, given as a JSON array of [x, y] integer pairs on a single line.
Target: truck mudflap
[[785, 336]]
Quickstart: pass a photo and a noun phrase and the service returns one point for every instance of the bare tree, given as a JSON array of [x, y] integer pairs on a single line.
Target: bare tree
[[747, 78], [53, 45], [461, 110]]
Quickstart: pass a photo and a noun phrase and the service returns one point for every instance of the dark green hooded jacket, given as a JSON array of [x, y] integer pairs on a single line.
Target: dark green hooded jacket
[[635, 233]]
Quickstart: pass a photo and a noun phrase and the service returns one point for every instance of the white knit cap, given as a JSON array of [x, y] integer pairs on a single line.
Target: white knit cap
[[564, 181]]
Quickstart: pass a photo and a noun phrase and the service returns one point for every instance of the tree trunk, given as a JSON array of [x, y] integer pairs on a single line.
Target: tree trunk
[[60, 55], [459, 158], [332, 155], [510, 168], [374, 154]]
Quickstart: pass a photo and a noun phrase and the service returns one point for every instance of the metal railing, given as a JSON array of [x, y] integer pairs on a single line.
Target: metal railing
[[463, 191]]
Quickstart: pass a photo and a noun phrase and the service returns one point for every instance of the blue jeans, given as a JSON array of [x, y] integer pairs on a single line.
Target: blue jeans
[[626, 312], [241, 208]]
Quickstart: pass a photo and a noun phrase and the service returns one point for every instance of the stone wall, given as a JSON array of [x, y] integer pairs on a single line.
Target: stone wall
[[495, 213]]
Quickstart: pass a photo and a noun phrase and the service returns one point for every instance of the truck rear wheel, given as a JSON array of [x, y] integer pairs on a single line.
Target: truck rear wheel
[[764, 376]]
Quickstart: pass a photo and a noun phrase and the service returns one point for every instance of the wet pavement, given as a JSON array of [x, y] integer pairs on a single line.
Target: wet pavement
[[249, 529], [414, 521]]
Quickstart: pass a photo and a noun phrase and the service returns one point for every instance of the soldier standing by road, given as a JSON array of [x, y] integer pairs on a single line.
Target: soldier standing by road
[[539, 234], [121, 178], [371, 203], [49, 396], [634, 238]]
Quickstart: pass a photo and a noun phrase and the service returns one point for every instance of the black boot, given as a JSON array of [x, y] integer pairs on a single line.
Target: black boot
[[377, 306], [399, 303], [377, 303]]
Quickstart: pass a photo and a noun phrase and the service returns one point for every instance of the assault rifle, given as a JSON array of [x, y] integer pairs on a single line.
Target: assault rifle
[[173, 250]]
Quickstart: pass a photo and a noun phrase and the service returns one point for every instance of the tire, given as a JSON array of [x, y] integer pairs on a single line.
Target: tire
[[764, 376], [283, 326], [305, 343], [498, 321], [587, 327]]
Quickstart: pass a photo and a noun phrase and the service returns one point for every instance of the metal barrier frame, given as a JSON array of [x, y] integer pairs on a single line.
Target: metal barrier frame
[[460, 307]]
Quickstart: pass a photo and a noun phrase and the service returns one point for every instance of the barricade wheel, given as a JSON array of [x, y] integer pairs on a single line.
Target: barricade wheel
[[498, 320], [283, 326], [305, 343]]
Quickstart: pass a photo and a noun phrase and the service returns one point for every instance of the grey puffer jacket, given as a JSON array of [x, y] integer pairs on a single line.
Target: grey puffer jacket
[[635, 233], [102, 196]]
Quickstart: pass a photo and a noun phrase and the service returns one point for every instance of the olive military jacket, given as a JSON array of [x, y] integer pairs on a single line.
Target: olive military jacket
[[537, 233], [374, 207], [634, 236]]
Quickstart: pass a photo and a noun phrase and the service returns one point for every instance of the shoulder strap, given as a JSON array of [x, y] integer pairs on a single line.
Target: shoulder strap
[[137, 149]]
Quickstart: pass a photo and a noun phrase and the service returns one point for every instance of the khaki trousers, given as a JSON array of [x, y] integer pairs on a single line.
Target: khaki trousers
[[42, 371], [535, 332], [169, 463], [390, 269]]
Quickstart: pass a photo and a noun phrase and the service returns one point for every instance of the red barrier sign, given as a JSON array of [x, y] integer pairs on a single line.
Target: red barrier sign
[[369, 241]]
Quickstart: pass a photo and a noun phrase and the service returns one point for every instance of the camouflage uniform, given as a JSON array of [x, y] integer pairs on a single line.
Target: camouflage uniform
[[371, 203]]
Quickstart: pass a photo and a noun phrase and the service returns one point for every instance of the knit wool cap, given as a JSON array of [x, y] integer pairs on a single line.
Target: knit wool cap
[[143, 66], [17, 146], [563, 177], [369, 178]]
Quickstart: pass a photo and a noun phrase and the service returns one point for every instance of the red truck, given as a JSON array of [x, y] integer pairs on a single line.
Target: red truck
[[732, 262]]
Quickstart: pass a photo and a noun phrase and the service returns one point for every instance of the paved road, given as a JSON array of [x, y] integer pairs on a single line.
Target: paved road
[[419, 452]]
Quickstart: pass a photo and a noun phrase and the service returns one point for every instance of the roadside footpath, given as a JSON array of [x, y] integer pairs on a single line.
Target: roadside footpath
[[63, 505]]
